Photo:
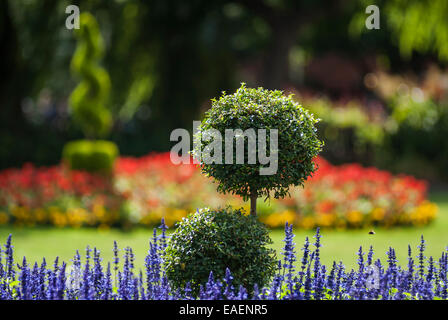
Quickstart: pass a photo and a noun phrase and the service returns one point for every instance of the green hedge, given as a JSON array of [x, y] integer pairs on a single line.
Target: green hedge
[[90, 155]]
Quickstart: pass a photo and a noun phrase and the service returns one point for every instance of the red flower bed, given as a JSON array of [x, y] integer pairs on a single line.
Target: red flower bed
[[351, 195], [144, 189]]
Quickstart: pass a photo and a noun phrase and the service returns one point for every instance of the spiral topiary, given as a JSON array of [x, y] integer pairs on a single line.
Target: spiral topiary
[[88, 102], [89, 98]]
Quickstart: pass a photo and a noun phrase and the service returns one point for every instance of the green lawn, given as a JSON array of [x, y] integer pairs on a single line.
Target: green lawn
[[343, 245], [36, 243]]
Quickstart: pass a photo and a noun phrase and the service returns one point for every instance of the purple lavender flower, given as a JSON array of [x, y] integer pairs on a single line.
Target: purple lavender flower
[[289, 258], [305, 256], [10, 272], [421, 257], [163, 237], [318, 283], [426, 280], [60, 282], [229, 289], [370, 256], [24, 279]]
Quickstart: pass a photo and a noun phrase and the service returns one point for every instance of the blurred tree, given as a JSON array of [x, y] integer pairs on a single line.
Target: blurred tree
[[413, 25], [285, 19], [28, 36], [157, 48], [167, 58]]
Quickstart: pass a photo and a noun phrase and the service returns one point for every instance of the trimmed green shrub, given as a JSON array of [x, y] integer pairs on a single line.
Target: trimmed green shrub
[[213, 240], [88, 100], [257, 109], [95, 155]]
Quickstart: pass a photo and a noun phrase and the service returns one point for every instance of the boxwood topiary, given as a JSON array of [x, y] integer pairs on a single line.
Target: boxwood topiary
[[88, 101], [213, 240], [260, 108], [90, 155]]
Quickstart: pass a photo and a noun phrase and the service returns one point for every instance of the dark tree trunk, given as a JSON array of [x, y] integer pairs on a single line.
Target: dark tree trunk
[[275, 70], [253, 204], [285, 23], [10, 99]]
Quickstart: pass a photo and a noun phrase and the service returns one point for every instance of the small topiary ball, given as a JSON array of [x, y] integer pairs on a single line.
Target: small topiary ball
[[255, 109], [90, 155], [213, 240]]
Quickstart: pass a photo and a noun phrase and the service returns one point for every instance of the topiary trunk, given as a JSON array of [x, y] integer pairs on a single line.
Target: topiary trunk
[[253, 204]]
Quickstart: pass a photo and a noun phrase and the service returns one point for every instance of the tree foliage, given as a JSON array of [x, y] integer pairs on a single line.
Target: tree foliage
[[415, 26], [165, 58], [259, 108], [214, 240]]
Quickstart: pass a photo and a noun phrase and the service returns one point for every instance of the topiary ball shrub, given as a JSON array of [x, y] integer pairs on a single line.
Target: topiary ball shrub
[[213, 240], [254, 109], [90, 155]]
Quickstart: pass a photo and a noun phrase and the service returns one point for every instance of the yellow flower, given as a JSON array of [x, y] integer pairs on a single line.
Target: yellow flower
[[423, 213], [3, 218], [279, 219], [99, 211], [76, 217], [354, 217], [40, 215], [378, 214], [146, 220], [325, 219], [19, 213], [58, 218], [307, 222]]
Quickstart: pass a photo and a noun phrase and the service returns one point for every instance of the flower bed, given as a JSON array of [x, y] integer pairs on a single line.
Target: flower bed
[[143, 190], [57, 196], [353, 196], [421, 279]]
